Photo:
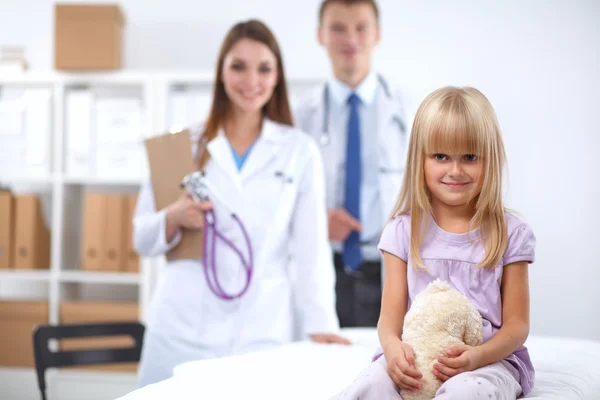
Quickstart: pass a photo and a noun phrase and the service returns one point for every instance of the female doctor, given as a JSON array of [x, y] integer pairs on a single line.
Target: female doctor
[[270, 175]]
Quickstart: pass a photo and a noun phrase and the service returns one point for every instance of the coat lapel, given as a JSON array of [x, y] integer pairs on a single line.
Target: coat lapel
[[264, 150], [386, 113], [309, 115], [220, 153]]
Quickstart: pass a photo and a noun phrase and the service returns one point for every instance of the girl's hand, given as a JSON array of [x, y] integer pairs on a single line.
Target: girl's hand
[[401, 366], [461, 358], [329, 338]]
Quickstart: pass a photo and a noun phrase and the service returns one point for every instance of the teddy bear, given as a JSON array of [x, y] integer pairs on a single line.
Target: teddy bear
[[439, 317]]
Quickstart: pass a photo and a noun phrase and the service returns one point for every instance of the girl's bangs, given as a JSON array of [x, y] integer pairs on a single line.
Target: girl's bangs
[[454, 130]]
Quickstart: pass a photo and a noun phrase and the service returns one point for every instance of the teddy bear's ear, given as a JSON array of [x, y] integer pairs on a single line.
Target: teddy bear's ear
[[438, 286]]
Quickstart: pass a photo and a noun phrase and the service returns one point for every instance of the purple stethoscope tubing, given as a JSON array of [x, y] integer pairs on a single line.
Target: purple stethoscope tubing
[[210, 235]]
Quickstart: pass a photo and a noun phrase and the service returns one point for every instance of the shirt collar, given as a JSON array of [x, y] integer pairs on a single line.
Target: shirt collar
[[365, 90], [270, 131]]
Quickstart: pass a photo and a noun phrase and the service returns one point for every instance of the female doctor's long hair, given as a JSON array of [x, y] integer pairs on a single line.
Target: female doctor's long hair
[[276, 109]]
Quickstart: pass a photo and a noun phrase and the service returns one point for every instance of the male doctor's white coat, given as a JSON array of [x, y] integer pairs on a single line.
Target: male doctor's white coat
[[390, 135], [279, 197]]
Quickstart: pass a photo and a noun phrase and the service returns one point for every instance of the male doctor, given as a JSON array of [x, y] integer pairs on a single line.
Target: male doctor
[[362, 132]]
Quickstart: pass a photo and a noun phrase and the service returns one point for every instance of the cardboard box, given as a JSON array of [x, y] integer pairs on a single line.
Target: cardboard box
[[31, 246], [170, 160], [81, 312], [17, 321], [88, 37], [7, 224]]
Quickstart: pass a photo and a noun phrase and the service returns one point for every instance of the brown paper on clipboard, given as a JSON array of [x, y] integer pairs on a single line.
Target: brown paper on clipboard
[[170, 159]]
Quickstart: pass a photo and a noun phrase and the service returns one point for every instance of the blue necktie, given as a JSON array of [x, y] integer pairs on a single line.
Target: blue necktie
[[351, 255]]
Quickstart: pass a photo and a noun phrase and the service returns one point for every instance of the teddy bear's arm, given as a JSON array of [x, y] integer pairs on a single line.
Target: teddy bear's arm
[[473, 335]]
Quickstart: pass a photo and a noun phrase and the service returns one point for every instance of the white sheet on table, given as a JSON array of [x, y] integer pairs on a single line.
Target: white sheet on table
[[565, 369]]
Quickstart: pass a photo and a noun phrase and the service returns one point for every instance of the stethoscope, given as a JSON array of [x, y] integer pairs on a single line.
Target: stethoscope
[[199, 187], [325, 138]]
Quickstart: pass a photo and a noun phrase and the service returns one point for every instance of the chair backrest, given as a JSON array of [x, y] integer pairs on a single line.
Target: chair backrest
[[45, 358]]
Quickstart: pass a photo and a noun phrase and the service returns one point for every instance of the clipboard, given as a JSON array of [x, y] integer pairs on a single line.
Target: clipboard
[[170, 159]]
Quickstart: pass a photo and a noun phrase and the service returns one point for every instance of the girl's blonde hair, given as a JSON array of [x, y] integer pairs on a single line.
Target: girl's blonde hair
[[456, 120]]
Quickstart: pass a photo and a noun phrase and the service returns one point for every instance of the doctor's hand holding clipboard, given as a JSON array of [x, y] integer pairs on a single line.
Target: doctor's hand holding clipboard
[[230, 285], [185, 213]]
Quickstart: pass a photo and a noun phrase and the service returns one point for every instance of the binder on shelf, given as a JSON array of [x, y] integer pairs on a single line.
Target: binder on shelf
[[38, 132], [118, 122], [132, 259], [114, 231], [188, 106], [25, 131], [7, 216], [170, 159], [94, 215], [78, 124], [13, 112], [107, 233], [178, 112], [31, 245]]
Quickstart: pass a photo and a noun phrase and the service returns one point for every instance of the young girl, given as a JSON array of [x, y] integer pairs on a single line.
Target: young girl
[[449, 223]]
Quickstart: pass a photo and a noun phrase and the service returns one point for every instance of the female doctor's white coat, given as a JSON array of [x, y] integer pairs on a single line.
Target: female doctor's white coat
[[279, 196]]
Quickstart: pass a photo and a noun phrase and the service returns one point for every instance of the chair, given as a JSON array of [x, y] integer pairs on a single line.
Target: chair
[[45, 358]]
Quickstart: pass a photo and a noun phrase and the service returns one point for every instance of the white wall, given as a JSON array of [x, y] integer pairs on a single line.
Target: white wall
[[537, 61]]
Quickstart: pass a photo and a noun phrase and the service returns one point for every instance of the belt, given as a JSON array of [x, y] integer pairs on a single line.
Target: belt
[[366, 269]]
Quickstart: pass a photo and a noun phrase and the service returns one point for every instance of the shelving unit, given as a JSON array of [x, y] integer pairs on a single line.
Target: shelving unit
[[64, 280], [24, 276], [113, 278]]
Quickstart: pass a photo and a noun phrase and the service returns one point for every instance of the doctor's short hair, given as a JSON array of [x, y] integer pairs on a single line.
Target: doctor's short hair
[[326, 3]]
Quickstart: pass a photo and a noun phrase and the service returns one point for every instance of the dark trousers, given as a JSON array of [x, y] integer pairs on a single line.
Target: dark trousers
[[358, 293]]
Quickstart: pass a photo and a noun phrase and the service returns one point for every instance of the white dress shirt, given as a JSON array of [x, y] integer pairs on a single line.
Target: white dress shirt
[[370, 204]]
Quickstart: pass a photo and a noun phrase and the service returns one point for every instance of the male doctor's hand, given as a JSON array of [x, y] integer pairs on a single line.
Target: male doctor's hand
[[341, 224], [329, 338]]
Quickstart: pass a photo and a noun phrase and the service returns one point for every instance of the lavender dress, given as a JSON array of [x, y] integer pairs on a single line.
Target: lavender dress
[[453, 258]]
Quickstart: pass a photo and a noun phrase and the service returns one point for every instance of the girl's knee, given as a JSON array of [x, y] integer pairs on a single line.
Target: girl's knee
[[468, 387], [374, 383], [376, 375]]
